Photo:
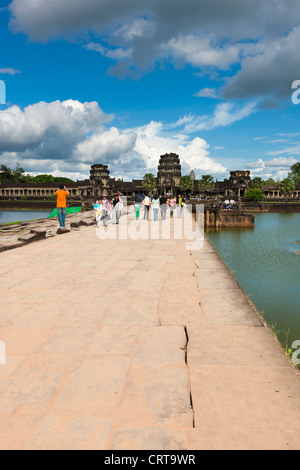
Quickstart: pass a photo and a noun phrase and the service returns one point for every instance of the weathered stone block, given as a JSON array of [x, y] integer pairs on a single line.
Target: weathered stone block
[[61, 231], [13, 245], [28, 238], [39, 234]]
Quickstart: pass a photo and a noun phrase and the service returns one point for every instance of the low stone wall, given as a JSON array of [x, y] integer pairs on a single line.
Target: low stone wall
[[215, 219], [272, 207]]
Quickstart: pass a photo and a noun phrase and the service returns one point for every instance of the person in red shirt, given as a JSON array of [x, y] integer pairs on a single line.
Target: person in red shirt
[[61, 205]]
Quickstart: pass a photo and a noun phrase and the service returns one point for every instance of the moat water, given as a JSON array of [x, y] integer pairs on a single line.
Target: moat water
[[267, 266], [7, 217]]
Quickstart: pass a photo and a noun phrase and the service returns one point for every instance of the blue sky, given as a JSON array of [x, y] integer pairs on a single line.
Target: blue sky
[[123, 81]]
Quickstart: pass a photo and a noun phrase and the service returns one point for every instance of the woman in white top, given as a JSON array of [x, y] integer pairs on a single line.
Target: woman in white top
[[155, 207], [147, 204]]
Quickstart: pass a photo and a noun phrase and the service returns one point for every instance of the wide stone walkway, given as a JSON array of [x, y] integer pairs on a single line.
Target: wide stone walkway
[[132, 344]]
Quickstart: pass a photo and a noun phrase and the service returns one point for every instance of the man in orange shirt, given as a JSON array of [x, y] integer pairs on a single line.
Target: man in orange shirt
[[62, 205]]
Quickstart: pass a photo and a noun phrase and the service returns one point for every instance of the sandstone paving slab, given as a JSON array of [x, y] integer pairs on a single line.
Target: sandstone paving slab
[[207, 438], [149, 280], [178, 267], [171, 314], [30, 389], [15, 431], [12, 363], [24, 341], [113, 296], [240, 346], [69, 340], [215, 278], [206, 247], [160, 347], [214, 263], [123, 282], [204, 256], [94, 389], [40, 317], [126, 265], [146, 297], [179, 303], [228, 307], [78, 317], [130, 314], [257, 398], [156, 397], [11, 311], [150, 438], [42, 296], [76, 433], [114, 341]]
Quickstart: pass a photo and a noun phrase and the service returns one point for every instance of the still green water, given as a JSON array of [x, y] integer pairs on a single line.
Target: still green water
[[7, 217], [266, 266]]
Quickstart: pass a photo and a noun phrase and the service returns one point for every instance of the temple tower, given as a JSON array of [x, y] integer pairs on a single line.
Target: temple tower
[[169, 174], [99, 178], [239, 183]]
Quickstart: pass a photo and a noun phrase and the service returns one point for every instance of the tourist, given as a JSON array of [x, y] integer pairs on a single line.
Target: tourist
[[138, 200], [105, 210], [98, 209], [117, 209], [147, 204], [155, 207], [61, 205], [172, 205], [163, 206], [180, 206]]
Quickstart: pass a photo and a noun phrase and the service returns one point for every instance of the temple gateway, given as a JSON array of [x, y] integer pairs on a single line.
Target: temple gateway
[[168, 180]]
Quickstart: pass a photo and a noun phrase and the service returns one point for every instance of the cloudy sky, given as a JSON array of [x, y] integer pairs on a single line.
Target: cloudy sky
[[121, 82]]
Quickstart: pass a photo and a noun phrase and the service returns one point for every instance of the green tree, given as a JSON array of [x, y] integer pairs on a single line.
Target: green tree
[[295, 173], [270, 182], [257, 183], [149, 182], [255, 195], [44, 179], [62, 179], [18, 174], [207, 183], [6, 174], [186, 184], [287, 187]]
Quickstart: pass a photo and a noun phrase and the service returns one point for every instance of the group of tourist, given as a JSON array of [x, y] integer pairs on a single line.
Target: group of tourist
[[158, 204], [106, 210], [229, 205]]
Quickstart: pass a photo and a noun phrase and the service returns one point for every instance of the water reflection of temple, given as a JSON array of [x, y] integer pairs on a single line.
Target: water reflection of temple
[[168, 180]]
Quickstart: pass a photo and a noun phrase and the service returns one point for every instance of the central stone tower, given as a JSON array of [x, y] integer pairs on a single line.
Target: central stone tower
[[99, 179], [169, 174]]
